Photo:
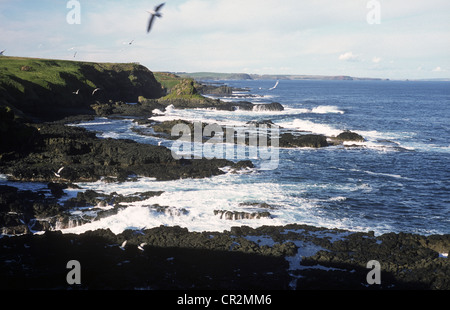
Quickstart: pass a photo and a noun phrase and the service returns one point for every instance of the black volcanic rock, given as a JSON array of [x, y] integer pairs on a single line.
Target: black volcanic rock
[[88, 158], [312, 141], [274, 106], [350, 136], [15, 136], [174, 258]]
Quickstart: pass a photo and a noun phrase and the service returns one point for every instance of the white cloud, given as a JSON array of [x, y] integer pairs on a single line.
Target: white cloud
[[376, 60], [438, 69], [349, 56]]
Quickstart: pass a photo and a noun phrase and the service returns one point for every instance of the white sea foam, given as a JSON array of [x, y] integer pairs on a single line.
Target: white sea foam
[[110, 135], [196, 201], [191, 204], [99, 121], [325, 109], [309, 126], [396, 176], [338, 198], [207, 116], [229, 118], [3, 178]]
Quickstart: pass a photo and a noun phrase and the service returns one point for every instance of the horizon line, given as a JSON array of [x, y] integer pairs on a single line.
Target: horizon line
[[318, 76]]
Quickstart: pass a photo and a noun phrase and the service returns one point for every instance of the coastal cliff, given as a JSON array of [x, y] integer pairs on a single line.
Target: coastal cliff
[[43, 89]]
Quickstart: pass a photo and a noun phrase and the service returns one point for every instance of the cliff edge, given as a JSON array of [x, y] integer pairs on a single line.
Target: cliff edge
[[44, 89]]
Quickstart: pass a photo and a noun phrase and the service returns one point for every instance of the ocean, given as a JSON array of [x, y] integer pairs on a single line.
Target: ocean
[[398, 180]]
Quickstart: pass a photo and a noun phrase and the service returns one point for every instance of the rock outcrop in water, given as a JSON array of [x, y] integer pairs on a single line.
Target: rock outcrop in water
[[86, 158], [306, 140], [26, 211], [274, 106], [349, 136]]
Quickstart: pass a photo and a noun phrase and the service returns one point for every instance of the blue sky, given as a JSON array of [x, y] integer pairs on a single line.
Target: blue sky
[[319, 37]]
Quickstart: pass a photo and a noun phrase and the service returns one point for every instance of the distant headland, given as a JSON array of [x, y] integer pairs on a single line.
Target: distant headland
[[246, 76]]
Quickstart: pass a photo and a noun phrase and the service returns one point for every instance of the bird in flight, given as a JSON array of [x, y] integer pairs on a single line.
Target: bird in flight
[[95, 90], [1, 53], [58, 174], [122, 247], [76, 92], [154, 14], [141, 246], [276, 85]]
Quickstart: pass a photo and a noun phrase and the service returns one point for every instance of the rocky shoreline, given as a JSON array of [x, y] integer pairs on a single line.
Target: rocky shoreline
[[35, 252], [86, 158], [294, 257], [38, 146]]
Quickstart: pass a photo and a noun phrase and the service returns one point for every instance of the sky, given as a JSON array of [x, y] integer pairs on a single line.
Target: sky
[[396, 39]]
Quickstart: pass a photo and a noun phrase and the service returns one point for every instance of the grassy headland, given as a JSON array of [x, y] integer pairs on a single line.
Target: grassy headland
[[50, 89]]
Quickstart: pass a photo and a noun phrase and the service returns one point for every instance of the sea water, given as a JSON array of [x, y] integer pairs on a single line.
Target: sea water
[[397, 180]]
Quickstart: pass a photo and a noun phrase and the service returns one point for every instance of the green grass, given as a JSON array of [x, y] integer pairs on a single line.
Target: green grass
[[178, 87], [167, 80], [49, 72], [41, 72]]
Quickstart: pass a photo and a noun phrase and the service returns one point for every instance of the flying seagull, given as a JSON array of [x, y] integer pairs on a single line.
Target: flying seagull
[[58, 174], [128, 43], [276, 85], [154, 14], [1, 53], [122, 247], [76, 92], [141, 246], [95, 90]]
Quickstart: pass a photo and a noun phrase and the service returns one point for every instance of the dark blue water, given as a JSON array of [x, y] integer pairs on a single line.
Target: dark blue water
[[398, 180]]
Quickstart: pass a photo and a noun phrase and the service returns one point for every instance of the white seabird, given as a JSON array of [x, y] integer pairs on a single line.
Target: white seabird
[[122, 247], [141, 246], [58, 174], [95, 90], [76, 92], [1, 53], [276, 85], [154, 13]]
